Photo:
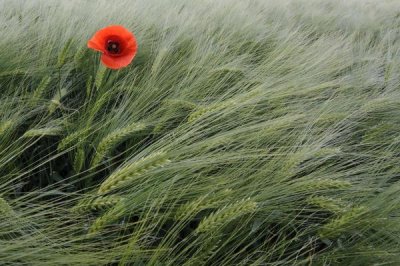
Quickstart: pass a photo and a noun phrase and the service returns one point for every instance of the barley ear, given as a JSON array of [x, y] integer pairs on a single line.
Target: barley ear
[[89, 83], [131, 171], [55, 102], [96, 203], [98, 81], [225, 215], [5, 208], [71, 139], [326, 184], [45, 131], [327, 204], [80, 54], [106, 219], [343, 223], [5, 126], [79, 159], [205, 251], [41, 89], [109, 142], [205, 202], [64, 52], [202, 111]]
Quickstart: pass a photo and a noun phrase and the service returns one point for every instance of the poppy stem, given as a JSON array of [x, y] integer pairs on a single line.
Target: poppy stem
[[59, 81]]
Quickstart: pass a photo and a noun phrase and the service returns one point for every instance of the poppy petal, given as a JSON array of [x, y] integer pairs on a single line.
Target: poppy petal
[[96, 44], [115, 30], [116, 62], [132, 45], [131, 49]]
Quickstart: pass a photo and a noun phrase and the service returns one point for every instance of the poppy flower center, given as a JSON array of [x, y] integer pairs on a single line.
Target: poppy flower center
[[113, 47]]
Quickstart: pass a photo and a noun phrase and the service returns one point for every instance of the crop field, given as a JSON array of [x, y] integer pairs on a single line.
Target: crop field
[[204, 132]]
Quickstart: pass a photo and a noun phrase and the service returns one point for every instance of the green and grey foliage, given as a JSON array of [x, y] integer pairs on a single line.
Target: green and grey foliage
[[243, 133]]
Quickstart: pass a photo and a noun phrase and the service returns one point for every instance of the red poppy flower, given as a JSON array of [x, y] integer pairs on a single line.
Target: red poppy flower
[[117, 45]]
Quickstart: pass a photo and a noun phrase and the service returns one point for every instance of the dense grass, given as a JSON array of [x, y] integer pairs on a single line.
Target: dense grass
[[244, 133]]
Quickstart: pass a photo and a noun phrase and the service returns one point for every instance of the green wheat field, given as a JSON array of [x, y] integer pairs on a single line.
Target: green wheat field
[[244, 132]]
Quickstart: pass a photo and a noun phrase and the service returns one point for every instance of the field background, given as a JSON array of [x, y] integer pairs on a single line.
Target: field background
[[244, 133]]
